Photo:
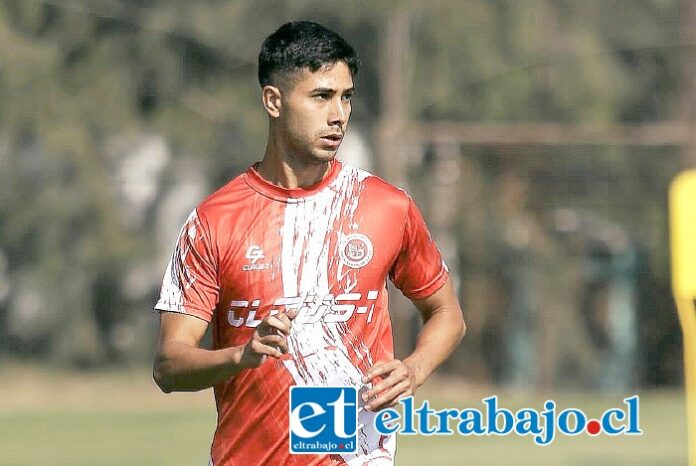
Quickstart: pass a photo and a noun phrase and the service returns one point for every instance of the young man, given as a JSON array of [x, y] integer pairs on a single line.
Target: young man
[[289, 262]]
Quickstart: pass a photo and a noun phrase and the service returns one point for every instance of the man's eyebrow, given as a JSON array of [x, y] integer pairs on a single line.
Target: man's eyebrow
[[323, 90], [328, 90]]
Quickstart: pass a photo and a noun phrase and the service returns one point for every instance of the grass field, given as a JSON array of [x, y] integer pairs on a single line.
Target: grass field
[[55, 418]]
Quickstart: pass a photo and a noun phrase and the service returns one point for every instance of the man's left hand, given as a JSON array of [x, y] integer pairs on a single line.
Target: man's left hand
[[398, 380]]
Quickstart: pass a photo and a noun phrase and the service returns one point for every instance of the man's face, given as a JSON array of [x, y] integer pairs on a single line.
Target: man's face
[[315, 111]]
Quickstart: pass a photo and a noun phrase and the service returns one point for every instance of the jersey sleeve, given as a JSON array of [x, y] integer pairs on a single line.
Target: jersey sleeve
[[191, 284], [419, 270]]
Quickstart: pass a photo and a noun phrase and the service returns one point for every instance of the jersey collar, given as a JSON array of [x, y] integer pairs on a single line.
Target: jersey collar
[[259, 184]]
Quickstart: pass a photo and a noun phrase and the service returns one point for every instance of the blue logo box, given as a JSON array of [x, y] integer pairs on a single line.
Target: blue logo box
[[323, 420]]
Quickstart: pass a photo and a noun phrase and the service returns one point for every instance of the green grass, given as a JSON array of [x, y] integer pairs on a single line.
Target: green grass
[[105, 437], [51, 418]]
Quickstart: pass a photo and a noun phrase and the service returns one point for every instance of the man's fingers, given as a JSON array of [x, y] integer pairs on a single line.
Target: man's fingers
[[396, 382], [385, 384], [284, 320], [269, 348], [390, 397], [274, 324], [379, 369], [276, 341]]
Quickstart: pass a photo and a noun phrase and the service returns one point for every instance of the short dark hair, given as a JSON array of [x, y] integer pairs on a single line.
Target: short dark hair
[[303, 44]]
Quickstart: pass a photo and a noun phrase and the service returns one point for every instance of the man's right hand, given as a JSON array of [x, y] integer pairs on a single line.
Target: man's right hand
[[269, 339], [180, 365]]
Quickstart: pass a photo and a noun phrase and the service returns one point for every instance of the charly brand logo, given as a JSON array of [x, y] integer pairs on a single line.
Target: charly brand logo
[[323, 420], [254, 254], [355, 250]]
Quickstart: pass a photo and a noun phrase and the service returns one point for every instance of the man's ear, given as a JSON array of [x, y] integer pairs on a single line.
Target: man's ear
[[271, 100]]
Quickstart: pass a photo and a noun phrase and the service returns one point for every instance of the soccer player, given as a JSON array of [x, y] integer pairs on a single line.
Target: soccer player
[[289, 264]]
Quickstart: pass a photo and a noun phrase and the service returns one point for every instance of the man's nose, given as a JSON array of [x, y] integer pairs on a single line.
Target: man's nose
[[339, 113]]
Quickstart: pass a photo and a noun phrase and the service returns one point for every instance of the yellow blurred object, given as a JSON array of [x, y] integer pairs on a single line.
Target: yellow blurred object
[[682, 205]]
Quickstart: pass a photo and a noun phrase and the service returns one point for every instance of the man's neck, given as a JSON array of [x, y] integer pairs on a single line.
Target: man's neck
[[283, 169]]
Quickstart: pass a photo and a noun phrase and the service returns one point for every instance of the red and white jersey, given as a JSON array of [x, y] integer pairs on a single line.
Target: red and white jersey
[[252, 249]]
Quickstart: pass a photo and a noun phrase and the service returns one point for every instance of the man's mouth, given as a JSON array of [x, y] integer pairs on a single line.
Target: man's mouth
[[332, 140]]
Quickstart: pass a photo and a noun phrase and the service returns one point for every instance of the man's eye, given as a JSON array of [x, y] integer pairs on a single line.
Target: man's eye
[[347, 97], [321, 96]]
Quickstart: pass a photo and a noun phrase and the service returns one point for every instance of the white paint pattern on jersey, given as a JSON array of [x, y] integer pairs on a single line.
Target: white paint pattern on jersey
[[320, 356], [171, 297]]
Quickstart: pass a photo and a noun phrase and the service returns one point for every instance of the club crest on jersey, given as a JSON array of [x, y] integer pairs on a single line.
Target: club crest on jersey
[[355, 250]]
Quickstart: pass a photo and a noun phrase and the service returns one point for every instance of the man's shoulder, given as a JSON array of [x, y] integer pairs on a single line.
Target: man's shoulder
[[376, 186], [226, 198]]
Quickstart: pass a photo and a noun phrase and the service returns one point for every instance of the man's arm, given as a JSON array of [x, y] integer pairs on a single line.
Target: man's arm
[[180, 365], [443, 329]]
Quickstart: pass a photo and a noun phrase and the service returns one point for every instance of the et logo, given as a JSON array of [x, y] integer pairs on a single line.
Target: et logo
[[323, 420]]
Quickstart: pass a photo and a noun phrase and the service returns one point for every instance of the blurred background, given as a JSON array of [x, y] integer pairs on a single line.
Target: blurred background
[[539, 138]]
